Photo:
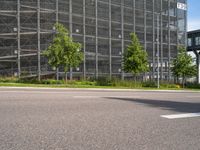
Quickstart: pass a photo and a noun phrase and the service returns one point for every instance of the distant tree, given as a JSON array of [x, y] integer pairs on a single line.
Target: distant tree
[[183, 65], [135, 58], [63, 51]]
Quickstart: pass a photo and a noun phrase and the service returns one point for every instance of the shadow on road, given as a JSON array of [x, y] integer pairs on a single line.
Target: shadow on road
[[183, 107]]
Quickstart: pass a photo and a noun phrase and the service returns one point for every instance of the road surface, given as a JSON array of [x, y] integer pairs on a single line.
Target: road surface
[[81, 119]]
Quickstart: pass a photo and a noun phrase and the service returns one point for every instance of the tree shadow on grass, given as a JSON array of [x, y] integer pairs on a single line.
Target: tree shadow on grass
[[183, 107]]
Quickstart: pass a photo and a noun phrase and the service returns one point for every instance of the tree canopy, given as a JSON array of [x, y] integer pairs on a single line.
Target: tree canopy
[[63, 51], [183, 65], [135, 58]]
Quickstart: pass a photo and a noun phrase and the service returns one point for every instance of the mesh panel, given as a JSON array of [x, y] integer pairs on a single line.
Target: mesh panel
[[116, 19]]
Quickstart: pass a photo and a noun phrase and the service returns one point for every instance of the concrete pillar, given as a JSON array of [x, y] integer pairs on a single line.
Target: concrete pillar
[[122, 37], [198, 65], [110, 40], [57, 21], [169, 43], [153, 28], [70, 30], [18, 38], [84, 39], [38, 34], [96, 38]]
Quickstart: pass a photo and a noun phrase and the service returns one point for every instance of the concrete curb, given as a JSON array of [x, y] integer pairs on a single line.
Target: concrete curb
[[97, 89]]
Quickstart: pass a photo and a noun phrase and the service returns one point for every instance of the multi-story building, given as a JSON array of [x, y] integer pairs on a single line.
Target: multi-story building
[[102, 26]]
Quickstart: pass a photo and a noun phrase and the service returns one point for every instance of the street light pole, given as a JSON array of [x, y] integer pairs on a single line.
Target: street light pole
[[158, 53]]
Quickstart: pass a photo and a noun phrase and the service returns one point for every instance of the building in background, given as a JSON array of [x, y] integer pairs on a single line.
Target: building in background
[[193, 40], [193, 45], [102, 26]]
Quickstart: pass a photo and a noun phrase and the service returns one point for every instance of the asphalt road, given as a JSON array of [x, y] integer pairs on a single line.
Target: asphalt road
[[74, 119]]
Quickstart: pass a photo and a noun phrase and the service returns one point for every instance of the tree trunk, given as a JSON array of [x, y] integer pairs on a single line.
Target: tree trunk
[[183, 82], [57, 73], [177, 80], [65, 77], [135, 80], [71, 77]]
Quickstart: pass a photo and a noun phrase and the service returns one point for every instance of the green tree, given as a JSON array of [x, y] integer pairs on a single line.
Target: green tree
[[183, 65], [63, 51], [135, 58]]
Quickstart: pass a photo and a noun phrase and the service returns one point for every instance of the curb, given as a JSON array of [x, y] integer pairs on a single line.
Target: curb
[[97, 89]]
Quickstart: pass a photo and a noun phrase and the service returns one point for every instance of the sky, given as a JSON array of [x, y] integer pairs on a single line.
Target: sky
[[193, 15]]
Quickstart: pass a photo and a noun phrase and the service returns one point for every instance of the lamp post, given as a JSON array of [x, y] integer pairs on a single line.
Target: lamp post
[[158, 53]]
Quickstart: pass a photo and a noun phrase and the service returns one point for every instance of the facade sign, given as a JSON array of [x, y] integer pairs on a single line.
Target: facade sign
[[182, 6]]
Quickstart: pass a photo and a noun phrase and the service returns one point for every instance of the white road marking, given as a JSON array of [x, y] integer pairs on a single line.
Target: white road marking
[[179, 116]]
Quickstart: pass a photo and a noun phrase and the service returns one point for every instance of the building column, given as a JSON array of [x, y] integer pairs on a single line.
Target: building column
[[110, 40], [122, 37], [158, 50], [70, 30], [38, 34], [84, 41], [18, 39], [169, 43], [145, 34], [96, 38], [57, 20], [153, 41], [134, 16], [198, 65], [161, 41]]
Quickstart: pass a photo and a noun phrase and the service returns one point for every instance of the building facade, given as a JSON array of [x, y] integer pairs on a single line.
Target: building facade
[[102, 26]]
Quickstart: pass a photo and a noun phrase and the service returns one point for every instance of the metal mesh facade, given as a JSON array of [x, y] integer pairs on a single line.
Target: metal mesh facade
[[102, 26]]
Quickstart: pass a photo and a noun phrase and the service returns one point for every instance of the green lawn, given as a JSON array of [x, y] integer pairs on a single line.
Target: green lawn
[[99, 83], [79, 86]]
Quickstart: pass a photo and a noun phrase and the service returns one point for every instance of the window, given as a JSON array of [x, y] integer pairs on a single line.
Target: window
[[197, 41], [189, 42]]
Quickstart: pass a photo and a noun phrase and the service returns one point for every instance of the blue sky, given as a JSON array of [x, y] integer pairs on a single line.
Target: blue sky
[[193, 14]]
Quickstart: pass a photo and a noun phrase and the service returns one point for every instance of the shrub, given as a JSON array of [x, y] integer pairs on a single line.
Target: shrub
[[85, 82], [174, 86], [29, 81], [52, 81], [193, 85], [9, 80], [126, 83], [103, 81], [151, 84]]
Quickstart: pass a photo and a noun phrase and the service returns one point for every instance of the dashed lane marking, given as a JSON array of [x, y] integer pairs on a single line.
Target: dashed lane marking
[[179, 116]]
